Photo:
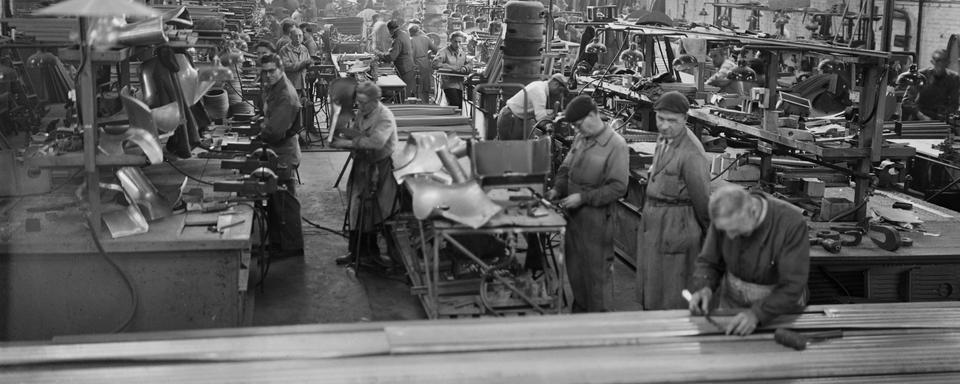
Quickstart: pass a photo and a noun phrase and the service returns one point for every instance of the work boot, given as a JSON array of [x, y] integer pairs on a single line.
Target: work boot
[[345, 259]]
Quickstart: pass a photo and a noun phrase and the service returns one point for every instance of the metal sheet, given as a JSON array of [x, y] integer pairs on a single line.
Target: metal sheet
[[420, 153], [464, 203], [143, 193], [112, 143], [124, 222]]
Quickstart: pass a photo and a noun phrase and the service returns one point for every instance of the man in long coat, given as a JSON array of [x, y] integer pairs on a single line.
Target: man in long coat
[[675, 211]]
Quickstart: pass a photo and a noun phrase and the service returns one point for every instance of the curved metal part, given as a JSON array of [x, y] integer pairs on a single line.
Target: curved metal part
[[143, 193], [146, 32], [148, 82], [157, 121], [464, 203], [166, 118], [124, 222], [451, 165], [112, 144], [189, 80], [179, 17], [420, 153]]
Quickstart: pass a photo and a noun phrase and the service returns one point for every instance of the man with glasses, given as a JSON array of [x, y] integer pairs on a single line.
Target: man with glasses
[[938, 96], [453, 58], [281, 106], [371, 186], [591, 179]]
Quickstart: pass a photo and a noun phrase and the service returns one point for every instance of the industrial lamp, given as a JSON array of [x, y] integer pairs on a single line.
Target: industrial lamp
[[7, 74], [42, 59], [215, 72], [911, 77], [703, 11]]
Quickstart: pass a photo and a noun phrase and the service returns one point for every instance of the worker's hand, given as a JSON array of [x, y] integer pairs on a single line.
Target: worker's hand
[[341, 143], [573, 201], [700, 301], [744, 323], [552, 195]]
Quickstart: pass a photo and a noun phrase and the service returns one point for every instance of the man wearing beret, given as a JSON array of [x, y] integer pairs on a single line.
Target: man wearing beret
[[591, 179], [675, 210]]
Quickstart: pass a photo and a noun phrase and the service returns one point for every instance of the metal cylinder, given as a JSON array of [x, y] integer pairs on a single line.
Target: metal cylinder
[[525, 24]]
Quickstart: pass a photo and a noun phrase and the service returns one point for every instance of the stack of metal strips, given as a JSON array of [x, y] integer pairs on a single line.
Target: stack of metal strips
[[895, 342]]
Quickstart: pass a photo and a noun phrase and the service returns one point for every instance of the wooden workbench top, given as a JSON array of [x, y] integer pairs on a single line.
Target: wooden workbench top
[[63, 228]]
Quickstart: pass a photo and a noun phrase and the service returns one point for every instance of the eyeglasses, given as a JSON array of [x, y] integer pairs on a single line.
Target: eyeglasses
[[269, 71]]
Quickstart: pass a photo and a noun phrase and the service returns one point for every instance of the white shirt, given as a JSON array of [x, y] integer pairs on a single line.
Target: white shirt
[[537, 94]]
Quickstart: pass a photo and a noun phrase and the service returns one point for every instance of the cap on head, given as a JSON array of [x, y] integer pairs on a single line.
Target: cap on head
[[560, 78], [578, 108], [672, 101], [940, 55]]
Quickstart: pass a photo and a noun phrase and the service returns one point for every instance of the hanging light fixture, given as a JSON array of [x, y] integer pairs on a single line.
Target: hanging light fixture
[[703, 11], [7, 74], [685, 62]]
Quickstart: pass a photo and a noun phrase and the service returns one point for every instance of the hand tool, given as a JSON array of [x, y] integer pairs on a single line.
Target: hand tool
[[829, 240], [799, 341], [891, 238], [688, 296]]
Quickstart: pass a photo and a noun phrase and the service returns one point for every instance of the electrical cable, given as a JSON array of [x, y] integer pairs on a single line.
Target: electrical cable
[[834, 280], [851, 210], [134, 297], [189, 176], [732, 163], [318, 226]]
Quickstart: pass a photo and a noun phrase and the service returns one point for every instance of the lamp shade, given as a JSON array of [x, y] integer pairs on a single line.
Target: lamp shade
[[98, 8], [8, 74], [42, 59], [911, 77]]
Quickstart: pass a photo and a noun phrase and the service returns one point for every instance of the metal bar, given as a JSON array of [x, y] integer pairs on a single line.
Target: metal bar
[[486, 268], [88, 116]]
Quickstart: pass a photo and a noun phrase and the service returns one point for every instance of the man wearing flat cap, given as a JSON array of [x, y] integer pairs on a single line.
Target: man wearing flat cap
[[401, 55], [533, 105], [591, 179], [675, 210]]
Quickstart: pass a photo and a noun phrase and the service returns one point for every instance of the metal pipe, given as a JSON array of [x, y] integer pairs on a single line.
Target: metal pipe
[[886, 40], [920, 4]]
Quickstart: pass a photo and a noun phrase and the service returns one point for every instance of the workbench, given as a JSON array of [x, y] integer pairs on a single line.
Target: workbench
[[443, 298], [57, 283]]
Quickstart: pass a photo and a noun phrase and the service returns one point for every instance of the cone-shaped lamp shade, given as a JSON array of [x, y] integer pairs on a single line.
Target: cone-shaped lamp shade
[[7, 74], [98, 8]]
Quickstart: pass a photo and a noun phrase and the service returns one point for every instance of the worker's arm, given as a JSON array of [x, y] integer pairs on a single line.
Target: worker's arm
[[696, 176], [719, 79], [616, 173], [563, 173], [537, 94], [709, 267], [278, 121], [395, 49], [377, 137], [953, 97], [793, 267], [445, 61]]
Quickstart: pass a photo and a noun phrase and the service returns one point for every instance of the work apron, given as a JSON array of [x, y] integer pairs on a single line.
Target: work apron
[[736, 293]]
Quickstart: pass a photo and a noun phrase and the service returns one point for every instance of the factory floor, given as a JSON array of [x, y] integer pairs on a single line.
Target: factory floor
[[313, 289]]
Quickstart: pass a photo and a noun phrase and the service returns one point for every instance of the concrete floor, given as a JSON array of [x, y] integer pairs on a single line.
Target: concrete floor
[[313, 289]]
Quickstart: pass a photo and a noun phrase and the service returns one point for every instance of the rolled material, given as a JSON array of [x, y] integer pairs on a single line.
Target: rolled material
[[216, 103]]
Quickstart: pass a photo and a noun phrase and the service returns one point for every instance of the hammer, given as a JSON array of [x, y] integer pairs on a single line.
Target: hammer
[[799, 341]]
